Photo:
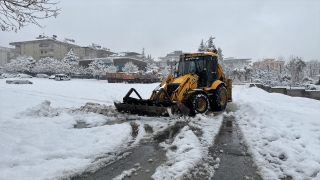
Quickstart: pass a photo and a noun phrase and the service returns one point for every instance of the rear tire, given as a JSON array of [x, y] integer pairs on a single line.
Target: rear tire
[[16, 83], [220, 99], [198, 103]]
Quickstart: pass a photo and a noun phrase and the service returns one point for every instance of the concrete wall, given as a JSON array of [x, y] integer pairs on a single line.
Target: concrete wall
[[279, 90], [290, 92], [295, 92]]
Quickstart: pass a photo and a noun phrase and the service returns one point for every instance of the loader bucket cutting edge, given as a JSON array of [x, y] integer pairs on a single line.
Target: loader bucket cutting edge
[[147, 110], [142, 109], [148, 107]]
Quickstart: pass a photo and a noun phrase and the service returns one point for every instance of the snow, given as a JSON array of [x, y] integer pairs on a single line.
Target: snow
[[182, 159], [282, 132], [39, 139], [188, 151]]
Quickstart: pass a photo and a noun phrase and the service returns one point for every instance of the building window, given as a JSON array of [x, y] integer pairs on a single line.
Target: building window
[[41, 52], [58, 45], [34, 45], [34, 52], [58, 53]]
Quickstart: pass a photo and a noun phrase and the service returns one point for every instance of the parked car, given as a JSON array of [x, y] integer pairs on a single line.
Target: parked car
[[61, 77], [42, 76], [18, 81], [311, 87], [9, 75], [25, 76], [52, 76]]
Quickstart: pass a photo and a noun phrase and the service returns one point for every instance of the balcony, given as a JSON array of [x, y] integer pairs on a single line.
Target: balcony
[[45, 46]]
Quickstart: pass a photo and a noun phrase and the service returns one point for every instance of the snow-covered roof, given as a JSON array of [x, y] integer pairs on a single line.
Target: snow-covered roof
[[128, 58], [131, 53], [47, 39]]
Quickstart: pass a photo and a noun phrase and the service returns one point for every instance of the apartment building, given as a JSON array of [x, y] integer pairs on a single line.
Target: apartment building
[[44, 46], [269, 64], [232, 62], [5, 55], [173, 56]]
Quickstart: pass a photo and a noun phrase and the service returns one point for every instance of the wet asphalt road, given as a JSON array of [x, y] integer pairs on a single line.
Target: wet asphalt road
[[148, 155], [235, 163]]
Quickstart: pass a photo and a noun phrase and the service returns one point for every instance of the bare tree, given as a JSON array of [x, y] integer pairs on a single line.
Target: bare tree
[[15, 14]]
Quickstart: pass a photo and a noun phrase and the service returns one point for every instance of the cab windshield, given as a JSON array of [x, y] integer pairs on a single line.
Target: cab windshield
[[191, 65]]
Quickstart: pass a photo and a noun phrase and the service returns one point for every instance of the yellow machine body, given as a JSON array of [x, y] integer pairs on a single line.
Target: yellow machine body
[[197, 85]]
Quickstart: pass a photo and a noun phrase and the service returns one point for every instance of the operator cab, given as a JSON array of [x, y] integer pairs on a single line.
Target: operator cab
[[204, 64]]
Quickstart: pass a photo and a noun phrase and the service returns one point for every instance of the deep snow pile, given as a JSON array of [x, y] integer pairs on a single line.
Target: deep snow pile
[[41, 144], [37, 128], [282, 132]]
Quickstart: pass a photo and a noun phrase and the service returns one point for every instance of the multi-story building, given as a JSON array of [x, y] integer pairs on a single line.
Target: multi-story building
[[5, 55], [232, 62], [44, 46], [173, 56], [269, 64]]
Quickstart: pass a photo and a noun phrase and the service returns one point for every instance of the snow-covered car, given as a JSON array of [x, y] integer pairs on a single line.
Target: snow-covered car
[[42, 76], [52, 76], [25, 76], [311, 87], [61, 77], [9, 75], [18, 81]]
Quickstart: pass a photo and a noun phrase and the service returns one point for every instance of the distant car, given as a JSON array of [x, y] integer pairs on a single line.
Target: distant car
[[9, 75], [25, 76], [42, 76], [311, 87], [61, 77], [52, 76], [18, 81]]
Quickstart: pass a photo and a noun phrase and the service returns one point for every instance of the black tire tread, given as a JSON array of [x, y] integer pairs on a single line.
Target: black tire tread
[[215, 103], [191, 103]]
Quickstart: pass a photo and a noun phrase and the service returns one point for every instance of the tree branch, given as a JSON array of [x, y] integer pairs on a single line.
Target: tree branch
[[15, 14]]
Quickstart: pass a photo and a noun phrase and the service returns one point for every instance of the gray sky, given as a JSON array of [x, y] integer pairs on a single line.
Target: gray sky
[[243, 29]]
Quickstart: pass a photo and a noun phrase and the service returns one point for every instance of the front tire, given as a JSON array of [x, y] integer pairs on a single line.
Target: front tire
[[219, 99], [198, 104]]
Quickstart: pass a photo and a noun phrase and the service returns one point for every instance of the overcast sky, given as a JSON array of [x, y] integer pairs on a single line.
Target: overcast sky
[[243, 29]]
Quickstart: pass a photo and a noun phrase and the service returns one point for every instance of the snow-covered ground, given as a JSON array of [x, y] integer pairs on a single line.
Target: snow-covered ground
[[38, 139], [282, 132]]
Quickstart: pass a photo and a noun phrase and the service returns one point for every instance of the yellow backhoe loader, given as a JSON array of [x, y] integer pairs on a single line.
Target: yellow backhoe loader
[[197, 85]]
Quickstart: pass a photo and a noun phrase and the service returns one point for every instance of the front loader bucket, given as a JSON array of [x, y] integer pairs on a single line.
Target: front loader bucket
[[143, 110], [147, 107]]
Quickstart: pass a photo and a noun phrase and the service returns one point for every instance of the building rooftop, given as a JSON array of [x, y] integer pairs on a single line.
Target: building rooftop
[[130, 53], [65, 41]]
